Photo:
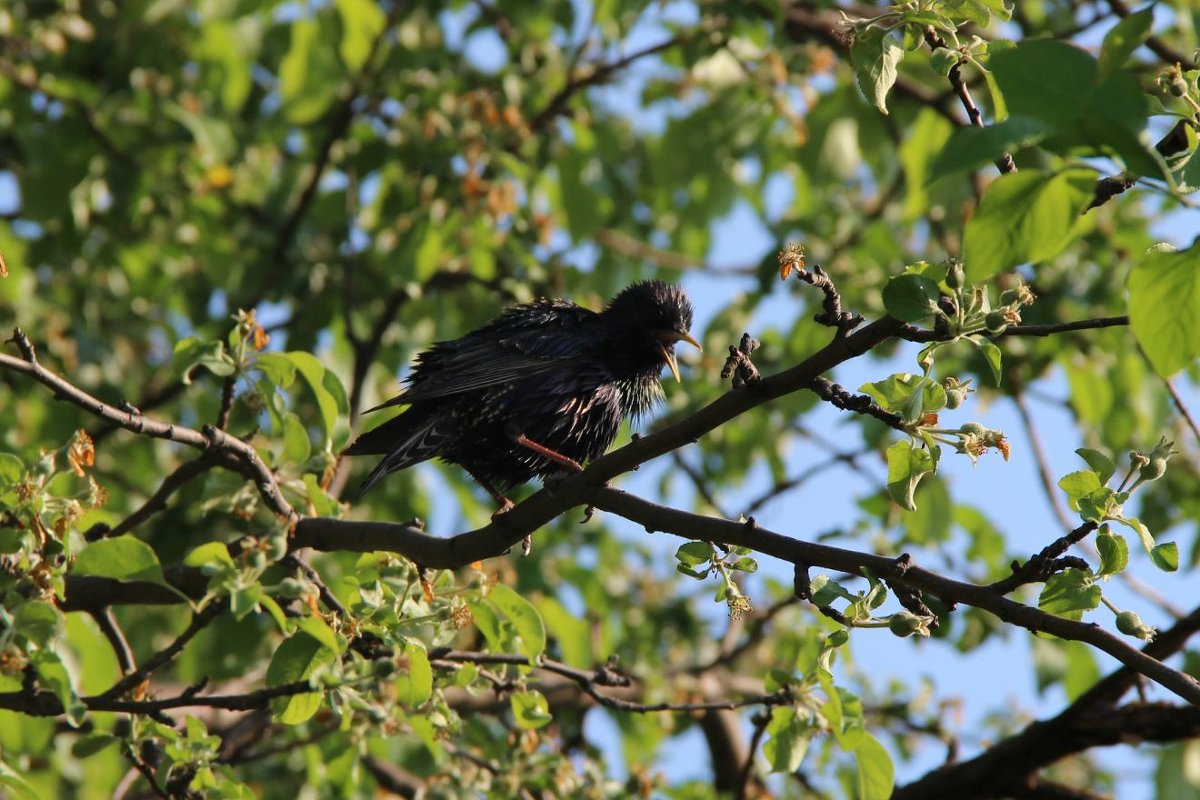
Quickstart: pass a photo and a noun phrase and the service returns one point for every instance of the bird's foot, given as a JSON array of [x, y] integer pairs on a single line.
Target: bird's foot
[[506, 506]]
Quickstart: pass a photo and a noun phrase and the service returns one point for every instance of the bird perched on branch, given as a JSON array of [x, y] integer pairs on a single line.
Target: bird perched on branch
[[539, 390]]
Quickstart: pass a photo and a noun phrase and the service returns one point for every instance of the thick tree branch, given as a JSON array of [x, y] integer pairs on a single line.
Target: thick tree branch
[[800, 552], [1005, 768], [43, 703]]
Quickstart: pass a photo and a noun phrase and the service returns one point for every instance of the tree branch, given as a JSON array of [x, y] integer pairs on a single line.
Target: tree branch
[[799, 552], [242, 457]]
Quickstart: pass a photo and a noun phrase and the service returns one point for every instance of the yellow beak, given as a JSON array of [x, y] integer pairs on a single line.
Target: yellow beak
[[666, 342]]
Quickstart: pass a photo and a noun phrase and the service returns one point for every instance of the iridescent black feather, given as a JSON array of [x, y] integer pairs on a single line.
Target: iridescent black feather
[[556, 373]]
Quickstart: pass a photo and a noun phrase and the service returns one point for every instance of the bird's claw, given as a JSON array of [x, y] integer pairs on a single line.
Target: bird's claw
[[506, 506]]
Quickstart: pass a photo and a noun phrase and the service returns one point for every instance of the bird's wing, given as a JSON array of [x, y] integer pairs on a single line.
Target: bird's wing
[[524, 342]]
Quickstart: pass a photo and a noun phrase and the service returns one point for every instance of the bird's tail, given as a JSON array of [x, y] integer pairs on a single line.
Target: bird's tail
[[405, 440]]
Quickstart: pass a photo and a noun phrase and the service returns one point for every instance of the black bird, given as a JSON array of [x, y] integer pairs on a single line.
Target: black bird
[[536, 391]]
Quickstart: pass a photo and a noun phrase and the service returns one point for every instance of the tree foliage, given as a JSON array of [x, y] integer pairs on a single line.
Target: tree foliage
[[228, 226]]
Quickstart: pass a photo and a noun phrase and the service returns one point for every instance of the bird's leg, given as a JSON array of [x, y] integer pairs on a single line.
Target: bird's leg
[[542, 450], [505, 504]]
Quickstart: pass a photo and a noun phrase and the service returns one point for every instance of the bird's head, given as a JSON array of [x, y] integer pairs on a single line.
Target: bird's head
[[653, 316]]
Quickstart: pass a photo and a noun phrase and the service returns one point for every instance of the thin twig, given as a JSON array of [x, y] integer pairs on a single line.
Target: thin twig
[[180, 477], [200, 620], [1005, 162], [243, 457], [1182, 408], [116, 637], [1049, 486]]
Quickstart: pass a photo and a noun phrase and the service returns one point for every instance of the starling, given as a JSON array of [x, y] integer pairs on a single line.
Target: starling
[[538, 390]]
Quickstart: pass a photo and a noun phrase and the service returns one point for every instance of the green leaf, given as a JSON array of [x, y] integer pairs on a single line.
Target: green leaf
[[123, 558], [488, 621], [11, 540], [429, 254], [530, 709], [313, 372], [1114, 552], [1135, 524], [1079, 485], [991, 354], [193, 352], [1047, 80], [907, 465], [303, 84], [268, 603], [1097, 112], [524, 617], [911, 298], [1164, 307], [39, 622], [925, 141], [320, 630], [333, 385], [1123, 38], [788, 735], [971, 147], [12, 469], [296, 447], [277, 368], [1069, 593], [362, 22], [53, 675], [1025, 216], [87, 746], [745, 564], [876, 56], [1165, 556], [1100, 463], [693, 554], [296, 659], [325, 505], [11, 780], [572, 633], [1114, 120], [876, 772], [209, 553], [414, 686], [908, 395]]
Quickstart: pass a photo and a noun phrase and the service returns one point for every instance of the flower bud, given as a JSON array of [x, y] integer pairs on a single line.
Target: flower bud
[[996, 322], [906, 623], [277, 547], [972, 429], [1130, 624], [291, 587], [1178, 86], [955, 276], [956, 391]]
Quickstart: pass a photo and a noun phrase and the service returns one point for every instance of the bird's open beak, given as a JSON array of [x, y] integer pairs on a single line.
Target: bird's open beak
[[666, 342]]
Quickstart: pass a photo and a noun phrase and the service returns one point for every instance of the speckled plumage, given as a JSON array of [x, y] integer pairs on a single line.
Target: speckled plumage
[[559, 374]]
